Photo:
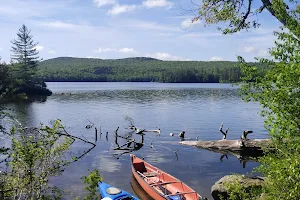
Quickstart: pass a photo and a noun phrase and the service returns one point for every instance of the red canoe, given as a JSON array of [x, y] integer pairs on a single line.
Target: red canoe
[[160, 185]]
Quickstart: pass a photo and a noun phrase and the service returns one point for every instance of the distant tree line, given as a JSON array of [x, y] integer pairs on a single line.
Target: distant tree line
[[138, 69]]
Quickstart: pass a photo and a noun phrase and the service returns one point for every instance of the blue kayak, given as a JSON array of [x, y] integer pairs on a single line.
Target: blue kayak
[[109, 192]]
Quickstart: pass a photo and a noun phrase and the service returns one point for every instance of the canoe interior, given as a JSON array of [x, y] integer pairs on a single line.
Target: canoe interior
[[166, 185]]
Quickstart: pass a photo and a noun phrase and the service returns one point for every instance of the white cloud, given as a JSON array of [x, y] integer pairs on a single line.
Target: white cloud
[[106, 163], [148, 25], [28, 9], [118, 9], [157, 3], [263, 53], [1, 49], [215, 58], [8, 11], [165, 56], [202, 35], [59, 25], [52, 52], [187, 23], [100, 50], [100, 3], [117, 50], [249, 49], [39, 48], [127, 50], [95, 57]]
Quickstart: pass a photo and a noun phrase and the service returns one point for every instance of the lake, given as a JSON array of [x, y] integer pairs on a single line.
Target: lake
[[198, 109]]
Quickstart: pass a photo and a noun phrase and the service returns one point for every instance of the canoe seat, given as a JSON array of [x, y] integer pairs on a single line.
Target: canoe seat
[[150, 174], [164, 183], [140, 167]]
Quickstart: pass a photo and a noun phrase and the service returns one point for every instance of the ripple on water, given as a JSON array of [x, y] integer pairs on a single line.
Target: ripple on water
[[197, 109]]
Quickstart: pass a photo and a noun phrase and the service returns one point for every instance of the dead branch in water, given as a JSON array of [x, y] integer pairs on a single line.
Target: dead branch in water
[[74, 137], [224, 133]]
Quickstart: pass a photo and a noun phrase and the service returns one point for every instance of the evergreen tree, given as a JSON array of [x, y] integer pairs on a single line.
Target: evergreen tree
[[25, 55], [24, 50], [3, 78]]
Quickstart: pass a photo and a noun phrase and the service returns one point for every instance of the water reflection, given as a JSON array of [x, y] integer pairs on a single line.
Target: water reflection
[[138, 190], [150, 96], [198, 109], [105, 163], [129, 146]]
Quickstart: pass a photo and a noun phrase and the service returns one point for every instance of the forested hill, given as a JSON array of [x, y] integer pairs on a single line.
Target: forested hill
[[137, 69]]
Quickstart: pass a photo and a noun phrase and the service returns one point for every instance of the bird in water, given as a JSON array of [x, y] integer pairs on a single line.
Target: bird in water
[[181, 134], [245, 133], [158, 131], [139, 131], [88, 126], [132, 127]]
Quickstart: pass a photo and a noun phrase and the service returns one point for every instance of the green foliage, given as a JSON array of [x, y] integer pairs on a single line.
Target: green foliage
[[4, 80], [278, 93], [91, 182], [7, 88], [237, 15], [278, 90], [238, 191], [36, 155], [282, 168], [17, 80], [138, 69]]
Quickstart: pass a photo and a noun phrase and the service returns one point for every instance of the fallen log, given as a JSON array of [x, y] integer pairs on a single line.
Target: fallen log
[[235, 147]]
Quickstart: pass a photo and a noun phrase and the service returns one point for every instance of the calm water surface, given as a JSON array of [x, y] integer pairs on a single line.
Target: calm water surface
[[197, 109]]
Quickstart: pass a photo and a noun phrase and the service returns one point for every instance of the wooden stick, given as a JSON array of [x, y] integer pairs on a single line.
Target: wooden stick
[[224, 133], [96, 134]]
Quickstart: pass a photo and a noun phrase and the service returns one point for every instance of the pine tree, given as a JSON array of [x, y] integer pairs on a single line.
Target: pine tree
[[24, 50], [25, 55]]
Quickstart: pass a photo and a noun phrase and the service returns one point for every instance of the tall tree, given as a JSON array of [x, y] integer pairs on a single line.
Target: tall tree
[[25, 54], [24, 50]]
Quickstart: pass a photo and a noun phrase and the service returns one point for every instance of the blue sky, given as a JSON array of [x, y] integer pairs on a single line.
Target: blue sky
[[127, 28]]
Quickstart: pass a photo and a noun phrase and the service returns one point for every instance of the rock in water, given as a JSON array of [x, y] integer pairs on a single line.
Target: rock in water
[[219, 188]]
